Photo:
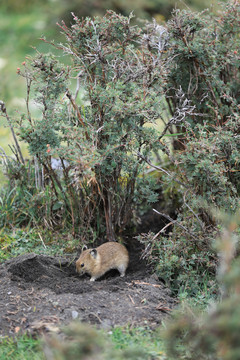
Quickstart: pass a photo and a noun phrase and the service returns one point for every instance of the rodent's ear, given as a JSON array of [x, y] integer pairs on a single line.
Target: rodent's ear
[[93, 252], [84, 247]]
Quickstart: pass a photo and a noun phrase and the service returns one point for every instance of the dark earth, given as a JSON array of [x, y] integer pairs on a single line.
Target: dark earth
[[39, 293]]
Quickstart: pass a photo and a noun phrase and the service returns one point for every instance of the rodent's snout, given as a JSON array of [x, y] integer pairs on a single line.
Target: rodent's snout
[[79, 267]]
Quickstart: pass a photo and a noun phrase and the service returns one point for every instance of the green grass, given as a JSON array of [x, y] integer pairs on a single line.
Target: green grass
[[128, 342], [6, 140], [21, 241], [149, 341], [18, 33], [21, 348]]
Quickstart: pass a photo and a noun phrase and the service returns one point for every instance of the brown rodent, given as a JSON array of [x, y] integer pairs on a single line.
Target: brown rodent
[[96, 262]]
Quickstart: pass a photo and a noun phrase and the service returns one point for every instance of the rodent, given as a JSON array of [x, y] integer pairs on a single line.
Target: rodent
[[96, 262]]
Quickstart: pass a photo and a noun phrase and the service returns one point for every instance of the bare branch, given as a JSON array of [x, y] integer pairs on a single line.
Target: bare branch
[[4, 111], [189, 208], [183, 110], [175, 222], [161, 169]]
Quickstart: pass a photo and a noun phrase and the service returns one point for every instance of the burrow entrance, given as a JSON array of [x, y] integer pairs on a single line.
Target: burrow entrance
[[37, 289]]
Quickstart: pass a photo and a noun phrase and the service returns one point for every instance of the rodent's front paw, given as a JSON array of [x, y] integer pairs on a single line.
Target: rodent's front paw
[[92, 279]]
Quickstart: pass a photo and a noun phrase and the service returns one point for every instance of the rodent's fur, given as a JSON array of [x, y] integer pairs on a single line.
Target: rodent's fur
[[96, 262]]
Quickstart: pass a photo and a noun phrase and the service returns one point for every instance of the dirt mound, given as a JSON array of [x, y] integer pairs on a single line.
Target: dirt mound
[[39, 289]]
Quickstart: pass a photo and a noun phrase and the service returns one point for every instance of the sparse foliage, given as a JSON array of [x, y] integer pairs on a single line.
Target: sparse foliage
[[202, 92], [96, 135], [215, 334]]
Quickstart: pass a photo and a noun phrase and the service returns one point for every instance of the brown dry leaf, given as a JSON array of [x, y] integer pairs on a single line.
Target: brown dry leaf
[[162, 307], [23, 320], [17, 329], [12, 312], [43, 326], [138, 282]]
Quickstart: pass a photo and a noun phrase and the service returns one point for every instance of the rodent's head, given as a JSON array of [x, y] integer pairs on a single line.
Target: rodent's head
[[86, 261]]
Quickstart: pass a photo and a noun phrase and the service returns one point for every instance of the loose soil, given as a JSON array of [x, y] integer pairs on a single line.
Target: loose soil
[[40, 293]]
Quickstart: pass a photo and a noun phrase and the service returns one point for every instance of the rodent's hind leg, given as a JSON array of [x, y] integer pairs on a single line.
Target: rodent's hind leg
[[122, 270]]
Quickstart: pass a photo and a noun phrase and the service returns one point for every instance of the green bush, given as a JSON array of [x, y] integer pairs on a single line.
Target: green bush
[[96, 131], [23, 203], [85, 342], [203, 49], [205, 59], [202, 93], [186, 265], [216, 333], [210, 163]]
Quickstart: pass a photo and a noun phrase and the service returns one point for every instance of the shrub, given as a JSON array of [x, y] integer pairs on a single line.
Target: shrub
[[187, 265], [213, 335], [85, 342], [205, 59], [210, 163], [202, 93], [98, 131]]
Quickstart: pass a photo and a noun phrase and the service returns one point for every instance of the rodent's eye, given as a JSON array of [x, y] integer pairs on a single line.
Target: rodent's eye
[[82, 265]]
